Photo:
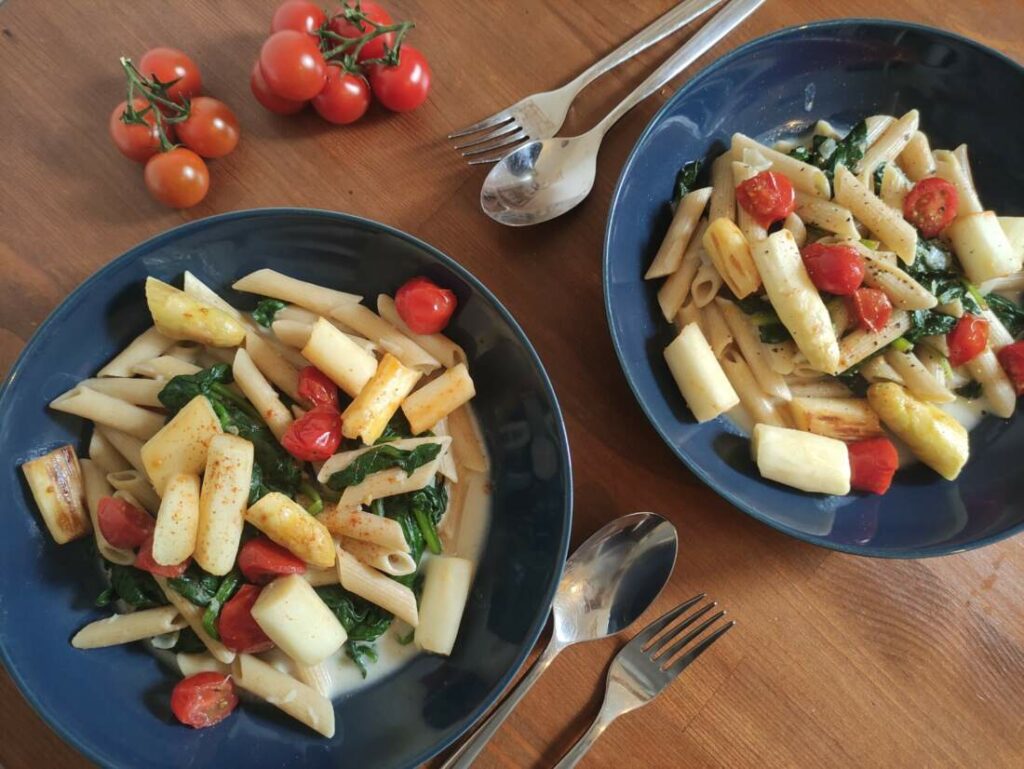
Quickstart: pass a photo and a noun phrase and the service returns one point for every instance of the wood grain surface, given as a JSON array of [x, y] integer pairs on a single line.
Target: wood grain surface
[[837, 661]]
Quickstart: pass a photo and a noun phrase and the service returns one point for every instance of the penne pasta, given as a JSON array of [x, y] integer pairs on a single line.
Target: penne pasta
[[895, 187], [96, 487], [889, 145], [290, 526], [343, 361], [316, 677], [438, 398], [384, 483], [371, 410], [722, 204], [467, 441], [876, 126], [258, 390], [903, 291], [104, 455], [825, 387], [998, 335], [126, 628], [135, 484], [445, 592], [752, 230], [147, 345], [999, 391], [796, 228], [881, 220], [222, 502], [877, 369], [677, 239], [917, 378], [301, 702], [437, 345], [699, 376], [294, 333], [106, 410], [755, 354], [826, 215], [859, 344], [181, 445], [199, 291], [193, 615], [273, 366], [271, 283], [138, 392], [369, 324], [128, 446], [803, 176], [716, 330], [377, 588], [706, 284], [367, 527], [729, 252], [948, 167], [164, 367], [916, 158], [395, 563], [673, 292], [759, 406]]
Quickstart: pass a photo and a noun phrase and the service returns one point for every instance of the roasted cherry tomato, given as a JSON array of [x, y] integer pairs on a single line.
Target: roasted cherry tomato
[[315, 436], [238, 630], [870, 307], [203, 699], [374, 48], [873, 463], [261, 560], [835, 269], [134, 140], [270, 100], [211, 129], [768, 197], [144, 560], [931, 205], [122, 523], [316, 388], [344, 99], [300, 15], [178, 178], [424, 306], [967, 340], [292, 65], [404, 86], [167, 64], [1011, 358]]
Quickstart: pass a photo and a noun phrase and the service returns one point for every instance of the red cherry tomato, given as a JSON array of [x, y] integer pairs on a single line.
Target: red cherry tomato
[[967, 340], [204, 699], [873, 463], [345, 97], [167, 64], [316, 388], [870, 307], [768, 197], [211, 129], [424, 306], [835, 269], [144, 560], [178, 178], [122, 523], [315, 436], [292, 65], [261, 560], [238, 630], [136, 141], [374, 48], [300, 15], [268, 98], [1011, 358], [931, 205], [404, 86]]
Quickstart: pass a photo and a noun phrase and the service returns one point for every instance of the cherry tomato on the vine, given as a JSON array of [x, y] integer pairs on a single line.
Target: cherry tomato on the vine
[[870, 307], [123, 524], [203, 699], [424, 306], [405, 86], [238, 630], [931, 205], [300, 15], [270, 100], [314, 436], [316, 388], [136, 141], [292, 65], [344, 99], [768, 197], [834, 268], [375, 47], [211, 129], [167, 64], [178, 178], [967, 340]]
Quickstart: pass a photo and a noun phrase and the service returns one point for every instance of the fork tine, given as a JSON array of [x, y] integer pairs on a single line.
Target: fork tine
[[683, 662], [505, 141], [674, 632], [664, 620], [678, 646], [487, 122], [503, 130], [486, 161]]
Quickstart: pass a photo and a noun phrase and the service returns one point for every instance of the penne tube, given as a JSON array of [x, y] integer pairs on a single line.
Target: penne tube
[[126, 628], [982, 247], [903, 291], [311, 296], [860, 343], [467, 441], [839, 314], [722, 204], [321, 577], [104, 455], [294, 333], [55, 480], [760, 407], [177, 315], [260, 393], [181, 445], [699, 376], [369, 324], [138, 392], [149, 344], [803, 176], [316, 677], [877, 369], [935, 437], [917, 378], [290, 526], [395, 563], [96, 487], [201, 292], [826, 215], [425, 407], [356, 524], [301, 702], [273, 366], [105, 410], [755, 354], [895, 187], [948, 167], [174, 538], [135, 484], [716, 330], [846, 419], [342, 360], [297, 620], [201, 662], [673, 292], [445, 592], [384, 483], [688, 313], [889, 145], [998, 335], [886, 224], [164, 367], [377, 588], [222, 502], [437, 345], [755, 160], [752, 230], [193, 615], [999, 391], [298, 314], [729, 251], [706, 284], [796, 228], [916, 158], [876, 126], [813, 463], [473, 496], [371, 410], [826, 387], [128, 446], [782, 356], [680, 231]]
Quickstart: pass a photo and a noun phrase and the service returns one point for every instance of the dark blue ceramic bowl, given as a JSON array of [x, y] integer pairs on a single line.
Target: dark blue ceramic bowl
[[840, 71], [113, 704]]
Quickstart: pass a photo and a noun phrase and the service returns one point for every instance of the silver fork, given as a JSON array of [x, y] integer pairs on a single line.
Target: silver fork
[[541, 115], [644, 667]]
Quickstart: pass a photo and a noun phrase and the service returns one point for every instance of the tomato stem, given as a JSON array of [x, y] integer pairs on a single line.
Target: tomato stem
[[348, 48], [155, 94]]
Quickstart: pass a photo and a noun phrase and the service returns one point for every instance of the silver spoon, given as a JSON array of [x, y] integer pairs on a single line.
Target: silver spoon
[[544, 179], [607, 584]]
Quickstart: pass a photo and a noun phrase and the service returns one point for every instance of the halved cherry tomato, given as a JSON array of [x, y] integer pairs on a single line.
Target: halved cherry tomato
[[967, 340], [177, 178], [1011, 358], [315, 436], [873, 463], [238, 630], [261, 560], [404, 86], [144, 560], [375, 48], [835, 269], [768, 197], [316, 388], [870, 307], [136, 141], [211, 129], [203, 699], [299, 15], [344, 99], [270, 100], [122, 523], [424, 306], [167, 64], [292, 65], [931, 205]]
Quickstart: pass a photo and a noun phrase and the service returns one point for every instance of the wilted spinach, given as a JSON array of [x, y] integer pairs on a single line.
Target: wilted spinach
[[686, 180], [265, 311], [135, 587], [361, 653], [1010, 313], [196, 585], [383, 457], [827, 153]]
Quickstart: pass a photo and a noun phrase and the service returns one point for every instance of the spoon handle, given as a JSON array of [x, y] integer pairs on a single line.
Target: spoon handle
[[472, 747], [721, 24]]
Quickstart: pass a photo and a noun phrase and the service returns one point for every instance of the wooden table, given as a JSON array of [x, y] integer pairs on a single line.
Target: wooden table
[[838, 661]]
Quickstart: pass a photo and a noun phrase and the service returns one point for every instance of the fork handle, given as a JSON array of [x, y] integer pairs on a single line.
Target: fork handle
[[586, 742], [679, 16]]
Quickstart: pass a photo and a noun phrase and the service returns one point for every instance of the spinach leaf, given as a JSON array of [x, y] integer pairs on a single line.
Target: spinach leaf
[[686, 180], [196, 585], [228, 587], [397, 429], [827, 154], [265, 311], [405, 640], [188, 642], [419, 512], [971, 390], [136, 587], [210, 382], [801, 153], [361, 653], [931, 257], [763, 315], [104, 598], [928, 323], [878, 176], [935, 268], [1009, 312], [383, 457], [362, 620]]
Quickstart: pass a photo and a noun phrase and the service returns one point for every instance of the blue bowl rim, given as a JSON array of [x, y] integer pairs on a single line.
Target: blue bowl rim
[[72, 299], [695, 467]]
